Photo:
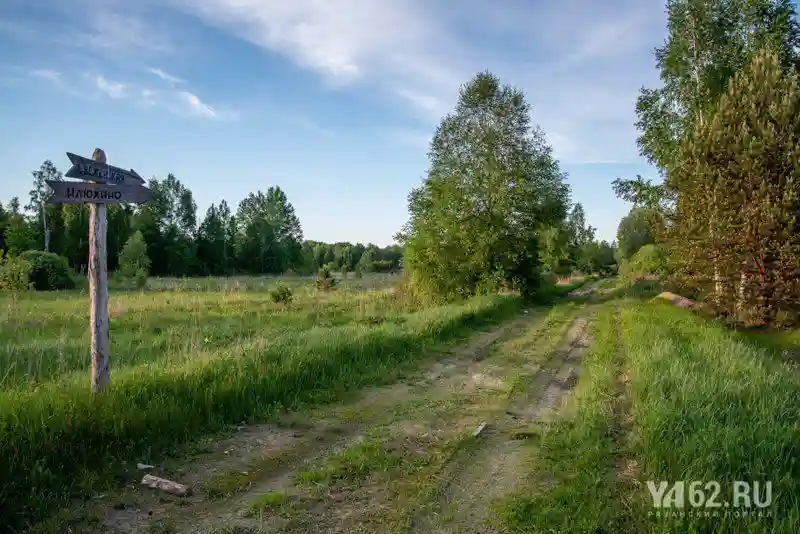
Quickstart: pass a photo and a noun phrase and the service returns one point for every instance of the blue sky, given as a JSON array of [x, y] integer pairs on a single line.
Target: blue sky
[[333, 100]]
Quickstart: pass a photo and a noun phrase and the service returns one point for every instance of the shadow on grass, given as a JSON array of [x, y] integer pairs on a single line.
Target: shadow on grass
[[784, 345]]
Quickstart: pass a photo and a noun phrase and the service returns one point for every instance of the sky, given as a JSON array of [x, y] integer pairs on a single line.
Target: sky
[[335, 101]]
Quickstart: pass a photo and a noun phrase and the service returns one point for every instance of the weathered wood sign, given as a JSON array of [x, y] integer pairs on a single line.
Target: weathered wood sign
[[87, 169], [105, 184], [71, 192]]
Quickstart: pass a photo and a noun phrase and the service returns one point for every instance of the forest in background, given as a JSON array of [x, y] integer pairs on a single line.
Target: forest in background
[[263, 235]]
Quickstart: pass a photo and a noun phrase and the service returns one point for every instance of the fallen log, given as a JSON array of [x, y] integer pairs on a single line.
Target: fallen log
[[677, 300], [166, 485]]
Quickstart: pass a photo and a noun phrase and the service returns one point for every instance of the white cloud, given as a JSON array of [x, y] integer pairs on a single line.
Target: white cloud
[[47, 74], [118, 33], [115, 30], [580, 62], [112, 89], [394, 45], [343, 40], [178, 102], [173, 80], [195, 106]]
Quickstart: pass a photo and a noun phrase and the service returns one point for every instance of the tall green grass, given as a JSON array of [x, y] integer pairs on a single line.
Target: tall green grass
[[59, 441], [45, 335], [710, 407]]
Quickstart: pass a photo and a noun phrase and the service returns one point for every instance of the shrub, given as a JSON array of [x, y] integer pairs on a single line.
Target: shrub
[[382, 266], [140, 278], [15, 275], [359, 272], [49, 271], [325, 280], [345, 270], [133, 259], [549, 279], [650, 261], [281, 294]]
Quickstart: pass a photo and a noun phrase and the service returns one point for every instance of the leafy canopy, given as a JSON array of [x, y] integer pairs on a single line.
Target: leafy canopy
[[492, 185]]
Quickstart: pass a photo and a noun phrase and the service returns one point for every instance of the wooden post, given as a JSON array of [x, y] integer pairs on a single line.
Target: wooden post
[[98, 290], [103, 184]]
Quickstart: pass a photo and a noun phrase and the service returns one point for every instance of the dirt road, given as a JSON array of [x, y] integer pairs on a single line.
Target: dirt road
[[432, 453]]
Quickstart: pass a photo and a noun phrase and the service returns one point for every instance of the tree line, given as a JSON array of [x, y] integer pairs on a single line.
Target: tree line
[[723, 132], [493, 213], [262, 236]]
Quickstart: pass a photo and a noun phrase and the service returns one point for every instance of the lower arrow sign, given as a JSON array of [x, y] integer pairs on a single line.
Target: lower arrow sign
[[91, 193]]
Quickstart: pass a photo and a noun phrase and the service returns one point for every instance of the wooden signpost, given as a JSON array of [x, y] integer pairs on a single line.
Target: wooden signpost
[[90, 169], [107, 185], [98, 193]]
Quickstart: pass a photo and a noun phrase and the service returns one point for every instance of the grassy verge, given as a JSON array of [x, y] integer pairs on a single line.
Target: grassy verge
[[711, 407], [572, 488], [59, 441]]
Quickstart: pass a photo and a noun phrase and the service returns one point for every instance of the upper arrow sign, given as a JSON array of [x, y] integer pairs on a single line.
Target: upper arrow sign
[[87, 169]]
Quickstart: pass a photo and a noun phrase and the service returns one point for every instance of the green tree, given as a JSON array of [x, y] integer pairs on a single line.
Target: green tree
[[4, 216], [597, 257], [49, 271], [708, 41], [737, 176], [211, 242], [366, 261], [355, 256], [270, 237], [229, 230], [18, 235], [134, 261], [39, 194], [634, 232], [120, 228], [643, 193], [492, 185], [579, 234], [168, 223], [308, 264], [555, 250], [76, 236], [13, 206], [342, 253]]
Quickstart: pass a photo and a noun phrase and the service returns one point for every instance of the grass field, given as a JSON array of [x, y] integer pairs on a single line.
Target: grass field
[[190, 358], [661, 395]]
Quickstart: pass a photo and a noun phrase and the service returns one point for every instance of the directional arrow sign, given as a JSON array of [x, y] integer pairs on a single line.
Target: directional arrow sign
[[73, 192], [87, 169]]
